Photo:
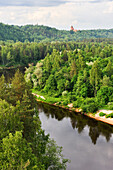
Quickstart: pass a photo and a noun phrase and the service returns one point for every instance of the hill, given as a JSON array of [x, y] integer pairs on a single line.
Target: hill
[[40, 33]]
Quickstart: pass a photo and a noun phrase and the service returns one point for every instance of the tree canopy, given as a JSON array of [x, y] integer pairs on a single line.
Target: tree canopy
[[23, 143], [83, 71], [40, 33]]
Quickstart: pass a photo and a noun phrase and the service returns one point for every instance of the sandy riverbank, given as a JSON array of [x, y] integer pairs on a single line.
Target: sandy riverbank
[[103, 118], [96, 116]]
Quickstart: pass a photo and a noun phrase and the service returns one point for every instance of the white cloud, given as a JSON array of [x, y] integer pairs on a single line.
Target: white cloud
[[109, 9], [30, 3], [81, 16]]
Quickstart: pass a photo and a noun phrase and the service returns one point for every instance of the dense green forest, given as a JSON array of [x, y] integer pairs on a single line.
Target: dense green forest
[[40, 33], [23, 144], [19, 53], [79, 70], [63, 66], [12, 54], [82, 75]]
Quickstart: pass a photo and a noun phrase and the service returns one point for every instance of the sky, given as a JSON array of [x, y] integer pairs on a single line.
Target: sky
[[60, 14]]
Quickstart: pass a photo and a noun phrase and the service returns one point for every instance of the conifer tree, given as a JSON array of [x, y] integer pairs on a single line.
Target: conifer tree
[[2, 87], [95, 76], [73, 69], [109, 69]]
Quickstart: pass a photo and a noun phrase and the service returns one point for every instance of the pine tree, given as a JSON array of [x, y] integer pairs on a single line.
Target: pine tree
[[3, 87], [95, 76], [18, 86], [109, 69], [73, 69]]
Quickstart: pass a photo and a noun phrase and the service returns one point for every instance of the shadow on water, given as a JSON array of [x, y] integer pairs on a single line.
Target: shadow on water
[[9, 73], [73, 131], [79, 121]]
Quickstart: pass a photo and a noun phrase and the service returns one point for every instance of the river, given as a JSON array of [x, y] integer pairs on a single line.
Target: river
[[9, 73], [86, 142]]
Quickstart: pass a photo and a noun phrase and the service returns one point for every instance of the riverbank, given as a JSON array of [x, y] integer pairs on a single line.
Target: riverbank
[[103, 118], [70, 107], [11, 67]]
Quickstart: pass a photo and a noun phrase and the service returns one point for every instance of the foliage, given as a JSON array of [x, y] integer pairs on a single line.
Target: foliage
[[16, 153], [110, 105], [102, 114], [53, 157], [23, 144], [64, 93], [78, 102], [104, 95], [89, 105], [65, 102], [109, 115], [82, 68], [40, 33], [77, 72], [95, 76], [9, 119]]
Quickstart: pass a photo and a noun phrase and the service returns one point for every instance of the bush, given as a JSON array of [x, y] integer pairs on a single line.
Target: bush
[[58, 103], [75, 105], [89, 108], [12, 63], [84, 108], [51, 100], [64, 93], [71, 97], [78, 102], [102, 114], [109, 115], [104, 95], [89, 105], [56, 95], [65, 102], [110, 105]]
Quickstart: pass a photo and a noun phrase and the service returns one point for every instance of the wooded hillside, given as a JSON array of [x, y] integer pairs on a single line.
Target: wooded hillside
[[40, 33]]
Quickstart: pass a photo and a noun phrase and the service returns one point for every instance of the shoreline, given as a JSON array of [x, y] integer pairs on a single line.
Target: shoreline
[[2, 68], [90, 115], [102, 119]]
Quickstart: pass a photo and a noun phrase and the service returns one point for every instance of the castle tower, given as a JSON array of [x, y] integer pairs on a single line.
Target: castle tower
[[72, 28]]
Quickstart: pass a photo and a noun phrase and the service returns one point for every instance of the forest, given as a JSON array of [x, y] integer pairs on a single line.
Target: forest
[[73, 72], [40, 33], [80, 73], [64, 67], [15, 54], [23, 143]]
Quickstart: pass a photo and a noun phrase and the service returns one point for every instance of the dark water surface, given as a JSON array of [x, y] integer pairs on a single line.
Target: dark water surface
[[9, 73], [86, 142]]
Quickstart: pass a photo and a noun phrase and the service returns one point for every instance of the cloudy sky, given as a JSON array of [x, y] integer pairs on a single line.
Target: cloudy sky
[[82, 14]]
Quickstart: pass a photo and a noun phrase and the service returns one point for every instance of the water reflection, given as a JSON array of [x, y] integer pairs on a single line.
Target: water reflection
[[79, 122], [9, 72]]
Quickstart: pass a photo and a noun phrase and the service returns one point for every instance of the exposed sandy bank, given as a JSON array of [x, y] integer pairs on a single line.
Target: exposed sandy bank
[[96, 116]]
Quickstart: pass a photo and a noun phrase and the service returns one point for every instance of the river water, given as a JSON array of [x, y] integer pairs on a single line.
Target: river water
[[86, 142]]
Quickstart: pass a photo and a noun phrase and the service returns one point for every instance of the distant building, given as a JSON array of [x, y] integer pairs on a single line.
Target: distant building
[[72, 29]]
